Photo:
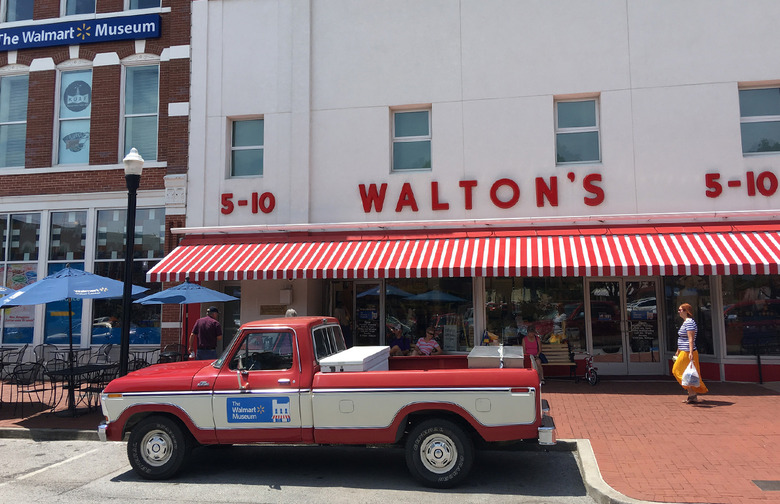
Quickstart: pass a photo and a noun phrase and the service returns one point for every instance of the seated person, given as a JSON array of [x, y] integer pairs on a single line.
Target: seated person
[[398, 344], [426, 345]]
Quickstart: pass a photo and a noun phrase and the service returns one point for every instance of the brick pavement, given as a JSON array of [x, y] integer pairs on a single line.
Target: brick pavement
[[734, 436], [635, 428]]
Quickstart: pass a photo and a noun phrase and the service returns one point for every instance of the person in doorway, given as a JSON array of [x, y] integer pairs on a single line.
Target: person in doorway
[[532, 347], [205, 335], [398, 344], [687, 352], [426, 345]]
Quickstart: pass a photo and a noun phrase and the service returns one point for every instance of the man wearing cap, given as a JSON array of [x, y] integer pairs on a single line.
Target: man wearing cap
[[205, 334]]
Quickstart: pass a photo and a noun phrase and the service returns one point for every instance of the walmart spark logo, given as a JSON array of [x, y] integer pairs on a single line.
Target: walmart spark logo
[[82, 31]]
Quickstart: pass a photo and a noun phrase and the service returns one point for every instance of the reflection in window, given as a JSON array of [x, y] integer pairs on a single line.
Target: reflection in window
[[149, 240], [760, 120], [554, 305], [144, 4], [75, 111], [25, 233], [694, 290], [18, 10], [56, 322], [13, 119], [751, 314], [79, 7], [67, 241], [141, 109]]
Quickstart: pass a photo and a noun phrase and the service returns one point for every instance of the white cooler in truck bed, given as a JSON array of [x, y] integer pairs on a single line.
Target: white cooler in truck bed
[[360, 358], [496, 356]]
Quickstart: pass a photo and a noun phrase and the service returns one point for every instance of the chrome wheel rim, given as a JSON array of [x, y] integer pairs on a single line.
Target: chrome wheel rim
[[438, 453], [156, 448]]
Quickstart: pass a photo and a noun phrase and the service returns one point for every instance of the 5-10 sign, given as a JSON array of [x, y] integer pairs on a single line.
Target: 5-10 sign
[[264, 202], [764, 183]]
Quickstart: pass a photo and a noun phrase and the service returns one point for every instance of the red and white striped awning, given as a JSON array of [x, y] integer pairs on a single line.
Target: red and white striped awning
[[614, 251]]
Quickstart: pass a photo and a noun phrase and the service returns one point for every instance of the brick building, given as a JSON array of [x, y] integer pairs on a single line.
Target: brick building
[[81, 83]]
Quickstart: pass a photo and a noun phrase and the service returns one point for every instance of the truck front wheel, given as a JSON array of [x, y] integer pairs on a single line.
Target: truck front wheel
[[158, 447], [439, 453]]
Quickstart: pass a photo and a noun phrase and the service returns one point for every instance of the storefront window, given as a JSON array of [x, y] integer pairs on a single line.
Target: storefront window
[[554, 305], [18, 322], [751, 313], [25, 233], [148, 248], [694, 290], [68, 236], [56, 322], [444, 303]]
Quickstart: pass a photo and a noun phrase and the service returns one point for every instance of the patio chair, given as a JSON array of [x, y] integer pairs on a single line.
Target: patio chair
[[95, 384], [173, 353], [102, 354], [44, 352], [28, 380], [11, 360], [59, 383]]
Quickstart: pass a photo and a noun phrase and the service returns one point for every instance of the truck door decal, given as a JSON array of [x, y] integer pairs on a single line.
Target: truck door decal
[[258, 410]]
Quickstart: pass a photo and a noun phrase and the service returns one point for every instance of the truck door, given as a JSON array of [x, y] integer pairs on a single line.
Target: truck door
[[257, 393]]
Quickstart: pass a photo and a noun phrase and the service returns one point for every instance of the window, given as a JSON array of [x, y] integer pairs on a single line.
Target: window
[[79, 7], [13, 119], [148, 249], [141, 110], [75, 110], [759, 111], [577, 132], [694, 290], [246, 150], [18, 10], [328, 340], [19, 264], [67, 242], [263, 351], [144, 4], [751, 314], [412, 140]]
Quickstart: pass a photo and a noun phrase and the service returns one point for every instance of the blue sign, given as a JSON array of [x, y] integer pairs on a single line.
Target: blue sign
[[258, 409], [80, 32]]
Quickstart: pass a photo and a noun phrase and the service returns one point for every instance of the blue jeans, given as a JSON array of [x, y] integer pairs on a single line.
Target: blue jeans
[[204, 354]]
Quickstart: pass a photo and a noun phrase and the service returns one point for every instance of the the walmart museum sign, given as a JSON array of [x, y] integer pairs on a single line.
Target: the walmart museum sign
[[80, 32]]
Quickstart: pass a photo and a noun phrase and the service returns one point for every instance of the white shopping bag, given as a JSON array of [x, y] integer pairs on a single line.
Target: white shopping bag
[[690, 377]]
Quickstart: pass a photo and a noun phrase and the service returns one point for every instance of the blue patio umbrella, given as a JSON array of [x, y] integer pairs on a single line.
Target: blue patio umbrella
[[186, 293], [67, 284], [435, 295], [389, 291]]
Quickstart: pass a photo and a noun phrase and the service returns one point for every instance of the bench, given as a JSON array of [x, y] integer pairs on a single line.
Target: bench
[[559, 354]]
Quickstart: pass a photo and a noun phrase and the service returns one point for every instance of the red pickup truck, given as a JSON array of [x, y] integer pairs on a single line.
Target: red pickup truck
[[289, 381]]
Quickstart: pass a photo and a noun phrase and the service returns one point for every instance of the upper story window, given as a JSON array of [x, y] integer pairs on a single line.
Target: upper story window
[[144, 4], [412, 140], [74, 119], [17, 10], [13, 119], [142, 84], [73, 7], [247, 148], [577, 132], [759, 111]]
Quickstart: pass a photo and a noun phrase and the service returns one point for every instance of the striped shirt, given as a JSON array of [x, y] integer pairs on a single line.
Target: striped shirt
[[427, 347], [682, 335]]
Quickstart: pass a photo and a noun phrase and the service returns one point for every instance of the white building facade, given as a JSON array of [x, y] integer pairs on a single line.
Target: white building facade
[[477, 166]]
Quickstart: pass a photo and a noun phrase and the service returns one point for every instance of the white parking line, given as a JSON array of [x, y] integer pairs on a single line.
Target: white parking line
[[42, 469]]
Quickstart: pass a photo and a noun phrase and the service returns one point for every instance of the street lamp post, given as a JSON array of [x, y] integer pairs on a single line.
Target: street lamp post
[[134, 164]]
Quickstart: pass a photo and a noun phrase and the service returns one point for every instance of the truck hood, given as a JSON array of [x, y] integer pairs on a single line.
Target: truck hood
[[161, 377]]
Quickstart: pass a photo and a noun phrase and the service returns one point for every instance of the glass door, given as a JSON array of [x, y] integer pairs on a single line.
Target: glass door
[[624, 329], [367, 330]]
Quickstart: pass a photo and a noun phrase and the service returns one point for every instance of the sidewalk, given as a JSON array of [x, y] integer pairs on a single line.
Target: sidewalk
[[732, 438]]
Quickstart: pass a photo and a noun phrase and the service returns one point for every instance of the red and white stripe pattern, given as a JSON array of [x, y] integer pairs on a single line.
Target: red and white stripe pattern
[[573, 252]]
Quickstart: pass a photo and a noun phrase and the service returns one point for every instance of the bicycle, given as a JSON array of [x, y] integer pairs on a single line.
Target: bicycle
[[591, 371]]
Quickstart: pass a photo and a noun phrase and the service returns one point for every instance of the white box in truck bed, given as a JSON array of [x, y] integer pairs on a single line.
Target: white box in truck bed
[[360, 358]]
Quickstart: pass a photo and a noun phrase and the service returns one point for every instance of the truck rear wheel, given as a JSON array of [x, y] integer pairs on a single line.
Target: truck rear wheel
[[158, 447], [439, 453]]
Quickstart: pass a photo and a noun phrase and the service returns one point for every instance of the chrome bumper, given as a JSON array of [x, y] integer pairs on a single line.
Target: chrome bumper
[[101, 431], [547, 429]]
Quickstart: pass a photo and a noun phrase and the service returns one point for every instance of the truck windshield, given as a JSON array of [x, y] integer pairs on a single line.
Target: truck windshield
[[328, 340]]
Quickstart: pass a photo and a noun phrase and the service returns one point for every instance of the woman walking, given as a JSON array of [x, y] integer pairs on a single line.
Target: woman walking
[[687, 352]]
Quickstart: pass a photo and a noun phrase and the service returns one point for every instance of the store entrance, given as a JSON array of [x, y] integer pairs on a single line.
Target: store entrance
[[624, 335]]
